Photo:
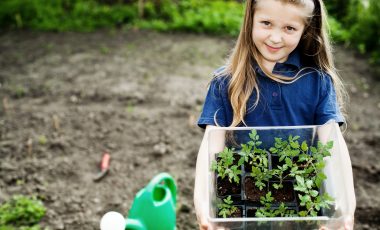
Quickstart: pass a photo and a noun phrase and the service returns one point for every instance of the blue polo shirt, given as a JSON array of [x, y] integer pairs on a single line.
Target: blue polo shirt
[[310, 100]]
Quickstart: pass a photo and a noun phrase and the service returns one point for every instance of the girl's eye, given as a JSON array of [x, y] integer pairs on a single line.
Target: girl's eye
[[265, 23], [289, 28]]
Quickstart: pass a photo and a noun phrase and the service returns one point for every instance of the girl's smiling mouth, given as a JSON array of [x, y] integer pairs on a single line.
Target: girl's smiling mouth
[[272, 49]]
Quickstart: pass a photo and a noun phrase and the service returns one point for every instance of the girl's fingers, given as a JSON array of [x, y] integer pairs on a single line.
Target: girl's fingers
[[203, 227]]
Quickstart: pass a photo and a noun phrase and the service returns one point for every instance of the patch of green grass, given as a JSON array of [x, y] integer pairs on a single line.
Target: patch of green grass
[[21, 211]]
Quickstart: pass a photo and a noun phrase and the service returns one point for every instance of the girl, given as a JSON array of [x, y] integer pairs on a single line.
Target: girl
[[280, 73]]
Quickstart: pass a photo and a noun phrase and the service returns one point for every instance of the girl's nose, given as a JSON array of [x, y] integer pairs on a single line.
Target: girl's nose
[[275, 37]]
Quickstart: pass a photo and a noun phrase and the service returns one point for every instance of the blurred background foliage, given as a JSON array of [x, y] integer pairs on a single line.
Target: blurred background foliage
[[353, 22]]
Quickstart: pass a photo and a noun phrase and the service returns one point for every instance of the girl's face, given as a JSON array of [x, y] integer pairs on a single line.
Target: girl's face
[[277, 30]]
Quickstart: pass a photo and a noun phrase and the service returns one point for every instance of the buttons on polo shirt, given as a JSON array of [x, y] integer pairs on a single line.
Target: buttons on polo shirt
[[276, 97]]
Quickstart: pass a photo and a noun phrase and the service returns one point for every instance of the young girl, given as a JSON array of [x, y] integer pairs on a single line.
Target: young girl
[[280, 73]]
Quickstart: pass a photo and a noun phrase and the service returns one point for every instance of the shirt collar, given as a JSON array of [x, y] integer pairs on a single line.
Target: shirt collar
[[294, 60], [288, 68]]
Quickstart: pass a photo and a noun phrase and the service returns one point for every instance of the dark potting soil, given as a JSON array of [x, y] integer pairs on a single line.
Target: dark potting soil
[[225, 187], [284, 194], [247, 167], [252, 192], [275, 161], [238, 213], [251, 212]]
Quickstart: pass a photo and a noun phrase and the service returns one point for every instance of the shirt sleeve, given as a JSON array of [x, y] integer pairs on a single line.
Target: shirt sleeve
[[214, 111], [328, 107]]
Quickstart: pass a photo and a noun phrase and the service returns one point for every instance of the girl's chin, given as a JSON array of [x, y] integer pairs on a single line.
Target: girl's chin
[[274, 59]]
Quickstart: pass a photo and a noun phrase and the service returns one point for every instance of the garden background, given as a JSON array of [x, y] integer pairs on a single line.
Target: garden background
[[79, 77]]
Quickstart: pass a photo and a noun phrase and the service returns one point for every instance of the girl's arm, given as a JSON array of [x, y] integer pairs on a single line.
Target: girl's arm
[[348, 203], [201, 175], [349, 182]]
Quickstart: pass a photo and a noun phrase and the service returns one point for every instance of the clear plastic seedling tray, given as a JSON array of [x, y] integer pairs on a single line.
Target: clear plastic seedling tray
[[220, 137]]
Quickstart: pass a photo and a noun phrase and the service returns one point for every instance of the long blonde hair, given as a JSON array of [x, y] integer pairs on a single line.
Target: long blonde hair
[[314, 45]]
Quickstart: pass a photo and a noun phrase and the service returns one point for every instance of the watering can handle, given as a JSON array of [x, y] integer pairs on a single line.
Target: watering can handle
[[168, 182]]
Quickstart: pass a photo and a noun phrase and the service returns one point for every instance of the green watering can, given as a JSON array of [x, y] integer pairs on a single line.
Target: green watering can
[[154, 208]]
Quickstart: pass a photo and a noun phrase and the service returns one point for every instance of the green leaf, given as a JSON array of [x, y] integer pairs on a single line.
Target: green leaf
[[320, 165], [265, 161], [294, 152], [288, 162], [260, 213], [309, 183], [313, 213], [314, 193], [214, 166], [294, 145], [302, 213], [318, 182], [330, 144], [224, 213], [241, 161], [313, 149], [299, 188], [300, 180], [304, 146], [273, 150], [228, 200], [305, 200]]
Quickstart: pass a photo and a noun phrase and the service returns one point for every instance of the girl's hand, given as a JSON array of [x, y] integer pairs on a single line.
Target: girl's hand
[[201, 213], [347, 224]]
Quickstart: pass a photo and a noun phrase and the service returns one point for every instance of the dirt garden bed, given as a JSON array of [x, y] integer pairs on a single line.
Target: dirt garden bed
[[68, 97]]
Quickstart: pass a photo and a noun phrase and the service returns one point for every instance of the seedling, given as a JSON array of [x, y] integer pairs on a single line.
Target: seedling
[[226, 209], [313, 164], [261, 172], [256, 158], [225, 166], [268, 211], [251, 150], [311, 198], [287, 150]]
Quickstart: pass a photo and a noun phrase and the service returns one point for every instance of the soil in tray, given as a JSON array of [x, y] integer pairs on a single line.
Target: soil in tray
[[251, 212], [284, 194], [225, 187], [252, 192]]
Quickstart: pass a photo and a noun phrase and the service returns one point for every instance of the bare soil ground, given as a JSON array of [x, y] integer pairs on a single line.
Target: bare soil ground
[[67, 97]]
